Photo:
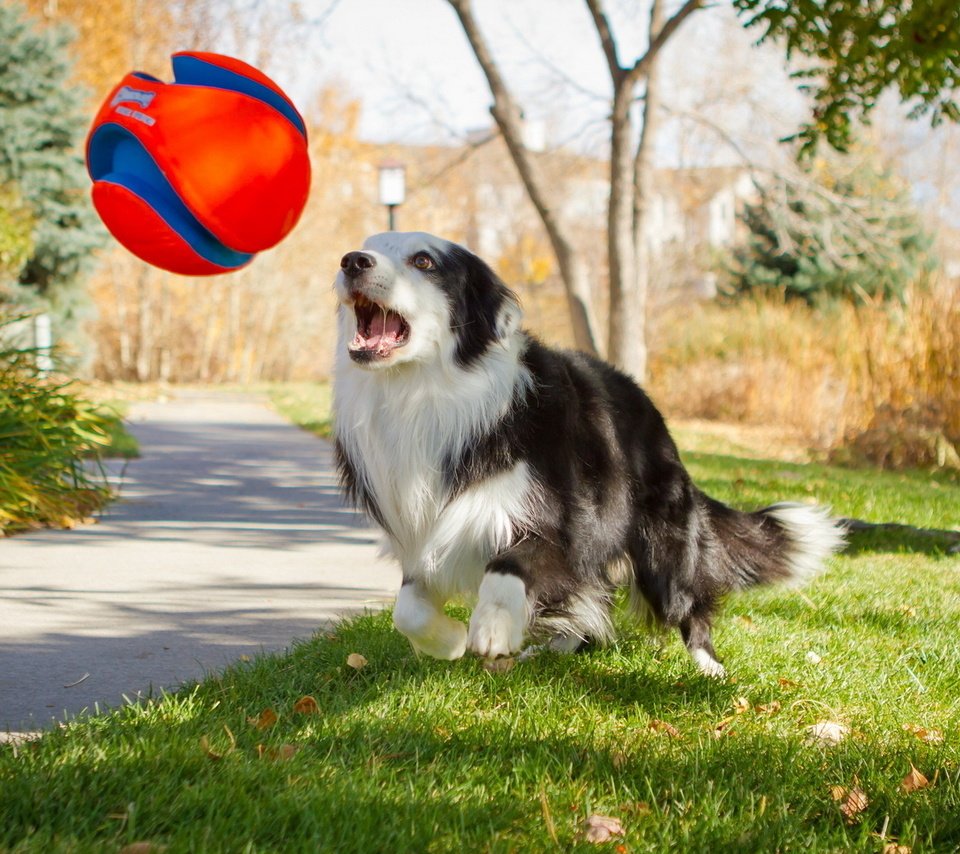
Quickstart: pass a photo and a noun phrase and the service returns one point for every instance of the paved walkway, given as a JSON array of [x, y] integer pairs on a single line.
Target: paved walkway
[[230, 537]]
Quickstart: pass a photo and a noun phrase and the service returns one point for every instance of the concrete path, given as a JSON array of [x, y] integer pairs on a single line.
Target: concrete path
[[230, 537]]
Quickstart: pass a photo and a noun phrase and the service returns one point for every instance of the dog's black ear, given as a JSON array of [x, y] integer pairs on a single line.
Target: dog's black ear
[[485, 310]]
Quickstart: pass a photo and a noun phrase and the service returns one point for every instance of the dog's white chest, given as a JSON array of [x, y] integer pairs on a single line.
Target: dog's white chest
[[400, 445]]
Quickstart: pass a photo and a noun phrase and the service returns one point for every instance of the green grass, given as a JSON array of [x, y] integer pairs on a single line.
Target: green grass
[[410, 754], [305, 404]]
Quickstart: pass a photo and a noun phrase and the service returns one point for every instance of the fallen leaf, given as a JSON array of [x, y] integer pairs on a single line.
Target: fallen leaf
[[266, 719], [142, 848], [356, 661], [723, 728], [896, 848], [856, 802], [914, 781], [499, 665], [277, 754], [826, 733], [787, 683], [931, 736], [770, 708], [602, 828], [741, 705], [664, 727], [838, 793], [306, 706]]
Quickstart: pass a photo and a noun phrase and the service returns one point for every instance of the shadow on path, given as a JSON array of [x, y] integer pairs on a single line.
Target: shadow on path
[[230, 537]]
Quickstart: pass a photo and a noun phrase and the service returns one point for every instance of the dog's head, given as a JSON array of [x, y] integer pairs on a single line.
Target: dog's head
[[412, 297]]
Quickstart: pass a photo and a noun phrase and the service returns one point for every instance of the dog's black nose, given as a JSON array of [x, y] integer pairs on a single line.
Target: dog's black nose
[[354, 263]]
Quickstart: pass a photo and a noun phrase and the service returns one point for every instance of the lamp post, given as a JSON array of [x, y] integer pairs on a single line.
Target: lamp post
[[393, 188]]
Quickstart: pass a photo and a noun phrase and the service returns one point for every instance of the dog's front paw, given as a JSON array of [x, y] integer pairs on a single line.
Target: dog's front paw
[[494, 631], [429, 630], [500, 619], [447, 640]]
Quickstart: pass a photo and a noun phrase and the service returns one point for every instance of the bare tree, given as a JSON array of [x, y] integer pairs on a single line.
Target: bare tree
[[631, 164]]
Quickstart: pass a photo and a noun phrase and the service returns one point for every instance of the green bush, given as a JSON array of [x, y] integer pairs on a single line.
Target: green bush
[[840, 228], [47, 435]]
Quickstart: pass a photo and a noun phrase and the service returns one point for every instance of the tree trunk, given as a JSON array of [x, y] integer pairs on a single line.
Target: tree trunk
[[629, 176], [643, 169], [508, 117], [626, 342]]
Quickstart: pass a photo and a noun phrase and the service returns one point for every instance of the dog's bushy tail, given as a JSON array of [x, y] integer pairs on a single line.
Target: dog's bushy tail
[[785, 543]]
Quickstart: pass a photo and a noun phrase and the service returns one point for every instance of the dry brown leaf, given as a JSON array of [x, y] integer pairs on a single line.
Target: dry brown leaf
[[931, 736], [356, 661], [838, 793], [277, 754], [854, 804], [787, 683], [770, 708], [723, 728], [896, 848], [213, 754], [914, 781], [499, 665], [664, 727], [602, 828], [266, 719], [306, 705], [827, 733], [142, 848], [741, 705]]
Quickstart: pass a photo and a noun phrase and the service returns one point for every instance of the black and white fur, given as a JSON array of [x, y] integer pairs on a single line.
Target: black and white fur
[[531, 480]]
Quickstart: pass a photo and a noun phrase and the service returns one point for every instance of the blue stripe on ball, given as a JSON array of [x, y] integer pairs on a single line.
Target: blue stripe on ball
[[116, 156], [193, 71]]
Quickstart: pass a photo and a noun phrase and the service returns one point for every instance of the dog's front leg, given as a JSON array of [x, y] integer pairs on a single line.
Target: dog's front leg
[[419, 617], [499, 621]]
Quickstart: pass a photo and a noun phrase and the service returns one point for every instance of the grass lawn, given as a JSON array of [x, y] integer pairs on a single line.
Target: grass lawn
[[304, 752]]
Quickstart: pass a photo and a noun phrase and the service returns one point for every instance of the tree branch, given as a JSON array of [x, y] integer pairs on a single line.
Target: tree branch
[[660, 39], [607, 42]]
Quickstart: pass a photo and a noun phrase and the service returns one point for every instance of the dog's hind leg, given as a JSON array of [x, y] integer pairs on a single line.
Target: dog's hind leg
[[420, 618], [695, 630]]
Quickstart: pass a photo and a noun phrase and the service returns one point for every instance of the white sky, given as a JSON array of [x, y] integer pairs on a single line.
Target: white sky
[[411, 66], [410, 63]]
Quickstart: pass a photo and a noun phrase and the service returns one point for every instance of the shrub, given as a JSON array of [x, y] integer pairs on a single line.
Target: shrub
[[47, 434], [839, 228], [878, 381]]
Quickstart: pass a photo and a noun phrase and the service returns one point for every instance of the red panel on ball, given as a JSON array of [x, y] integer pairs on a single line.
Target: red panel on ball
[[139, 228]]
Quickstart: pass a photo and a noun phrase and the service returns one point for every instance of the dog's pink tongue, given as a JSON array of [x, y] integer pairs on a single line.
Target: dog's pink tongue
[[384, 330]]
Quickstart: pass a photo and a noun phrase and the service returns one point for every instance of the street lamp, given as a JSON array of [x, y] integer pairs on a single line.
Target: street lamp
[[393, 187]]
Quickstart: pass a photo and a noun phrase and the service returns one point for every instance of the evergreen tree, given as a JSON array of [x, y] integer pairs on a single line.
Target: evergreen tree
[[42, 128], [838, 229]]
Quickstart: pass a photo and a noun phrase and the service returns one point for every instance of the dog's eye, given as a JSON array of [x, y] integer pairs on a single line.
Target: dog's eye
[[422, 261]]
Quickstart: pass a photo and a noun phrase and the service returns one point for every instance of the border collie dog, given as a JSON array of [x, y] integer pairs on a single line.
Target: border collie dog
[[531, 481]]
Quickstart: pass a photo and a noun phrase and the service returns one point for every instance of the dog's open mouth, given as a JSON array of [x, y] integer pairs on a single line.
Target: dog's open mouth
[[380, 330]]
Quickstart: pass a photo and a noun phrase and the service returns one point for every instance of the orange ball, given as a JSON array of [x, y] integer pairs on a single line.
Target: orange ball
[[198, 175]]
